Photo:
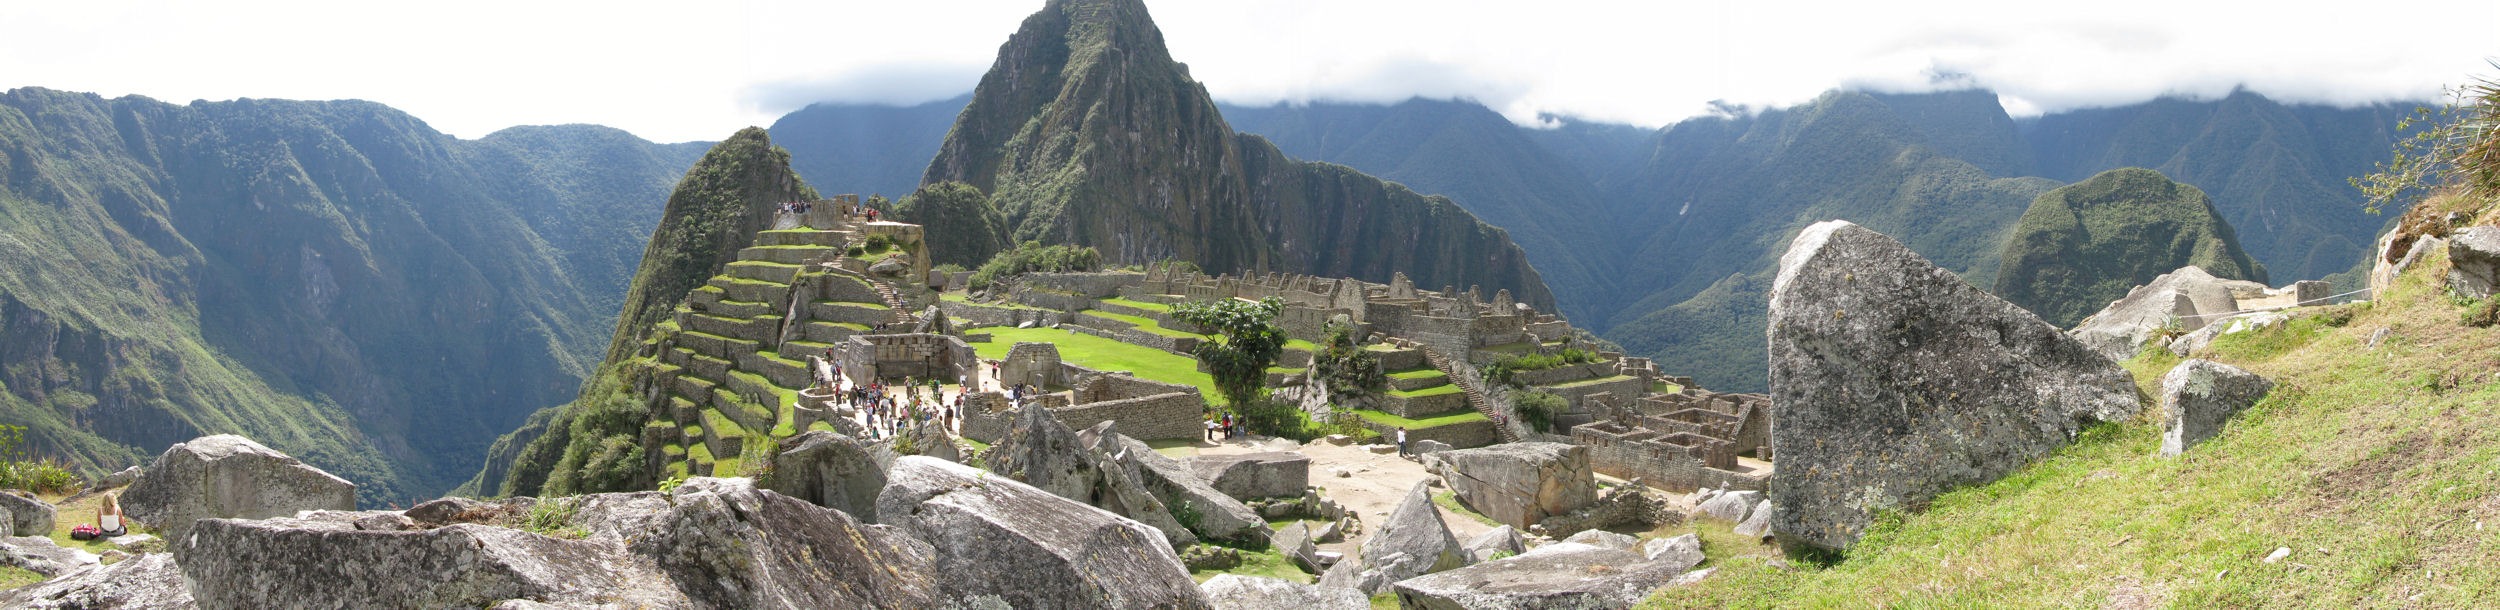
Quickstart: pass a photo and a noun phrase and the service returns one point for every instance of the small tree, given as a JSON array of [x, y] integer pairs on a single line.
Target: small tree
[[2457, 144], [1537, 409], [1242, 341], [1349, 369]]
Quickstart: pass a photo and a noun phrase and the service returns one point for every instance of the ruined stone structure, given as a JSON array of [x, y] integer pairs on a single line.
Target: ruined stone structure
[[1682, 441], [1035, 364], [868, 358]]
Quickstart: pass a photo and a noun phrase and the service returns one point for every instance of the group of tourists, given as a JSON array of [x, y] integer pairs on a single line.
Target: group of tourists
[[797, 207], [1224, 426], [888, 410]]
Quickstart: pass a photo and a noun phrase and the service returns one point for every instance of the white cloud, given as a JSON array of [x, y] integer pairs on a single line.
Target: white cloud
[[681, 71]]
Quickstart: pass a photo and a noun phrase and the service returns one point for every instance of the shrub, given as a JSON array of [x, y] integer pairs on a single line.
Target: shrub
[[1499, 373], [1033, 257], [878, 242], [554, 518], [44, 475], [1537, 409]]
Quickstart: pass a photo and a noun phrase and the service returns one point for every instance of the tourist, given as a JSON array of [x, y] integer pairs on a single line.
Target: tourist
[[1210, 429], [1401, 440]]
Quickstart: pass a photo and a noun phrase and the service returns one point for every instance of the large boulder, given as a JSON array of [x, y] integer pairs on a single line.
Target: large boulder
[[146, 582], [1504, 541], [2199, 396], [1758, 524], [1732, 507], [1684, 551], [40, 555], [1085, 466], [1519, 484], [1414, 533], [1296, 544], [1896, 381], [25, 515], [1245, 476], [1237, 592], [2189, 298], [829, 470], [1216, 516], [1579, 577], [2474, 261], [228, 476], [711, 543], [1000, 538]]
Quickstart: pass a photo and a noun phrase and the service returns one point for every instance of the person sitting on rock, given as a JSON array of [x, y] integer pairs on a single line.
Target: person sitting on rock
[[108, 516]]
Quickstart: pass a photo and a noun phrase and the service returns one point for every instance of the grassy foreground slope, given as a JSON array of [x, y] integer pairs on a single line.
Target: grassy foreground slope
[[2378, 468]]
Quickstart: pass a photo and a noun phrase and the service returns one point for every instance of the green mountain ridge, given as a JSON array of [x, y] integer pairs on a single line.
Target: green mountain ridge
[[285, 270], [1086, 131], [2086, 244]]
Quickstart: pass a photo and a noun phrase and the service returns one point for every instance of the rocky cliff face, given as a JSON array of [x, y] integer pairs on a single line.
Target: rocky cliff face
[[288, 270], [1086, 131], [2085, 244]]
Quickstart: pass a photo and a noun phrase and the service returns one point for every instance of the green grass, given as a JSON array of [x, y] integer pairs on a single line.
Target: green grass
[[1509, 348], [1449, 499], [1387, 419], [1591, 382], [1418, 374], [1438, 390], [2374, 465], [1661, 387], [1144, 324], [1266, 562], [1298, 345], [1174, 447], [880, 306], [1104, 354], [1154, 307], [721, 425]]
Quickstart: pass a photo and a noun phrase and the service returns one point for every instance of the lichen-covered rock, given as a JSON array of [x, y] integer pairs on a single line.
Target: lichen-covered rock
[[2474, 261], [1217, 516], [1684, 551], [1247, 476], [1031, 548], [1414, 530], [1604, 539], [712, 543], [1896, 381], [829, 470], [1237, 592], [1732, 507], [1503, 541], [40, 555], [1294, 542], [2188, 298], [1584, 577], [930, 439], [1757, 524], [1519, 484], [26, 516], [2199, 396], [228, 476], [1042, 452], [147, 582]]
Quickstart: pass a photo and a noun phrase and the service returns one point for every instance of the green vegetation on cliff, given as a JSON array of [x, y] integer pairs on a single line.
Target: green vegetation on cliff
[[963, 228], [724, 199], [291, 271], [593, 443], [1086, 131], [2086, 244]]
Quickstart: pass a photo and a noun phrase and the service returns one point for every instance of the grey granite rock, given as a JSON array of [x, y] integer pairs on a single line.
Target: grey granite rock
[[1413, 529], [1219, 516], [27, 516], [1031, 548], [1499, 541], [2188, 298], [1237, 592], [1682, 551], [1519, 484], [2474, 261], [1040, 451], [147, 582], [1247, 476], [1895, 381], [228, 476], [1579, 578], [2199, 396], [829, 470]]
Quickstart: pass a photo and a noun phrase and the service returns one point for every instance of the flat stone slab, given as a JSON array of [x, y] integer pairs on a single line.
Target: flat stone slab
[[1586, 577]]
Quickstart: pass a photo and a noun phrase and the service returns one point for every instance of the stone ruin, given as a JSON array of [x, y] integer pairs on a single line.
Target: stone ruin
[[1683, 441], [867, 358]]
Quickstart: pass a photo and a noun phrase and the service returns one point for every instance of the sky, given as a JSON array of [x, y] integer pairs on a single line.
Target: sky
[[683, 71]]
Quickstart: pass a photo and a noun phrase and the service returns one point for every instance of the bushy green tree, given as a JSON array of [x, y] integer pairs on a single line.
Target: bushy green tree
[[1033, 257], [602, 450], [1242, 341], [1349, 369], [1537, 409]]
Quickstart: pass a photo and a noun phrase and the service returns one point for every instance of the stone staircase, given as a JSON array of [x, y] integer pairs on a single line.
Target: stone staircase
[[893, 298], [1475, 394]]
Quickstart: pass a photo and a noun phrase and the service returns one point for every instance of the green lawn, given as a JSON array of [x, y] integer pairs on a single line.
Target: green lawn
[[1386, 419], [855, 304], [1154, 307], [1418, 374], [1144, 324], [1447, 388], [1591, 382], [1104, 354]]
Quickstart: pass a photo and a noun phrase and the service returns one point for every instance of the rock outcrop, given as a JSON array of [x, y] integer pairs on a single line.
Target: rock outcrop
[[1519, 484], [1246, 476], [146, 582], [712, 543], [829, 470], [1684, 551], [1732, 507], [1580, 577], [1237, 592], [23, 515], [1503, 541], [999, 538], [228, 476], [2199, 396], [1895, 381], [40, 555], [1218, 516], [2189, 298], [1412, 541], [1044, 453], [2474, 261]]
